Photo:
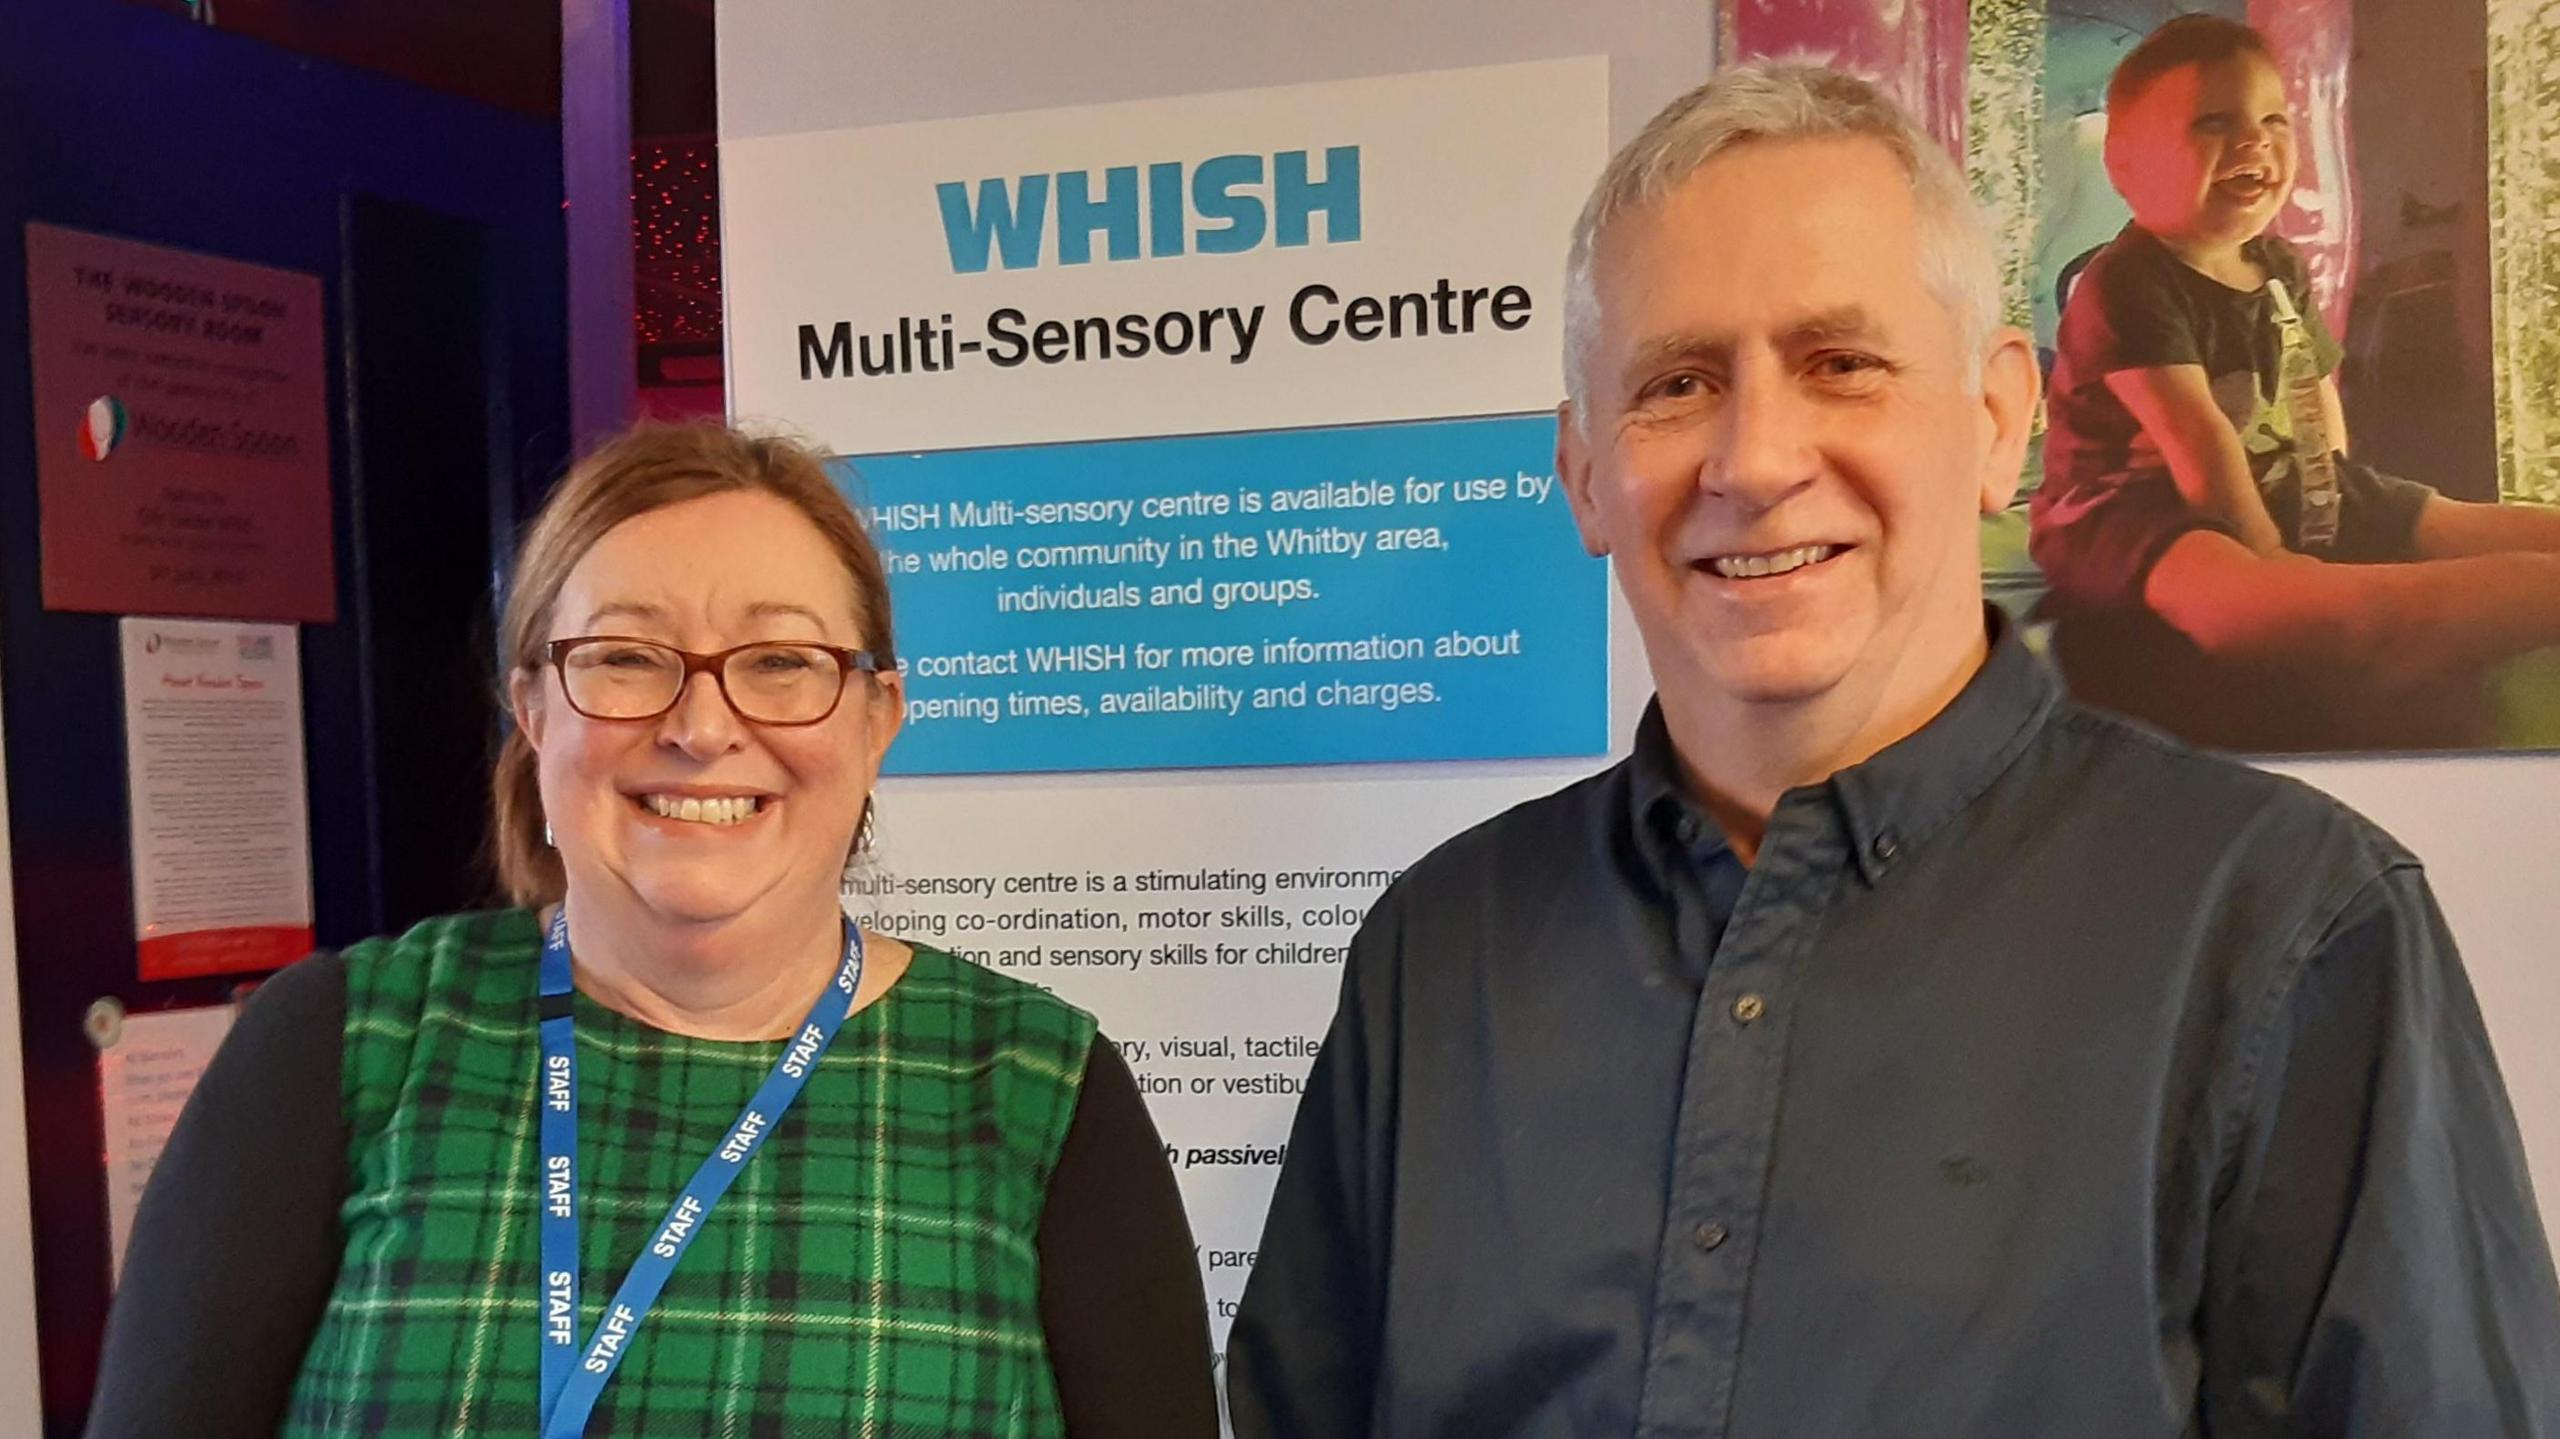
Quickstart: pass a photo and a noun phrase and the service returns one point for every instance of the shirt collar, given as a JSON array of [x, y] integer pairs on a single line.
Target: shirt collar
[[1674, 833], [1896, 800], [1893, 801]]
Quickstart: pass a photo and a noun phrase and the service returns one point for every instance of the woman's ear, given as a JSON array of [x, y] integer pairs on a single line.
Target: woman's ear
[[888, 702], [524, 701]]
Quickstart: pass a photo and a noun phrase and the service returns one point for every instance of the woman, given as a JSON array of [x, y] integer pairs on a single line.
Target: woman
[[427, 1186]]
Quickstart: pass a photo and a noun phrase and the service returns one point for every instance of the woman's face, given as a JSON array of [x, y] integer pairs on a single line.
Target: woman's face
[[704, 575]]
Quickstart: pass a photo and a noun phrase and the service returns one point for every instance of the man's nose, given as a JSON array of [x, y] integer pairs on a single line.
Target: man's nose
[[1765, 444]]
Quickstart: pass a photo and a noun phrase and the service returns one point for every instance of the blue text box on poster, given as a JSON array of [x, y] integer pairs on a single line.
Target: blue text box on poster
[[1378, 593]]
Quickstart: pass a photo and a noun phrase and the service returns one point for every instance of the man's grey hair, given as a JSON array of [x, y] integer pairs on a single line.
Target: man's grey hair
[[1785, 101]]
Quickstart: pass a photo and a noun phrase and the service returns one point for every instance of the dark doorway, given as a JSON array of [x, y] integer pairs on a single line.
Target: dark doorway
[[420, 361]]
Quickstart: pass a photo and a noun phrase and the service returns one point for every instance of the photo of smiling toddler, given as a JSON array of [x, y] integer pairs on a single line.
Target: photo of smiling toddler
[[2218, 561]]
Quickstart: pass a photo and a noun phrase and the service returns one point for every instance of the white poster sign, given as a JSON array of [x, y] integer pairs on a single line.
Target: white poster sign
[[144, 1078], [219, 803], [1346, 252], [1210, 442]]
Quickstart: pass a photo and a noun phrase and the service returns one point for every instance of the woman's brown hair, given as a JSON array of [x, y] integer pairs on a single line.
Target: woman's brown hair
[[645, 469]]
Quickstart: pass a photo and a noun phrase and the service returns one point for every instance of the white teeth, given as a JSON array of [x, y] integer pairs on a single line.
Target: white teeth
[[1745, 567], [728, 809]]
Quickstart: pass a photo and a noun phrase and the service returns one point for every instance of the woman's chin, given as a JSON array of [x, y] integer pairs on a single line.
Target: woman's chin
[[694, 898]]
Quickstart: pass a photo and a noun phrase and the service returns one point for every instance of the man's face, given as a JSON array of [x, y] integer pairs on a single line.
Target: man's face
[[1785, 457], [2205, 152]]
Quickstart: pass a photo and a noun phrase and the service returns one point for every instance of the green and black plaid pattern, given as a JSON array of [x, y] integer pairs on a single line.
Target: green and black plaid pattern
[[873, 1273]]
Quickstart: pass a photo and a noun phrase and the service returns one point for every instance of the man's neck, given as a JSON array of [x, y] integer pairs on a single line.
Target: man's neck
[[750, 976], [1738, 757]]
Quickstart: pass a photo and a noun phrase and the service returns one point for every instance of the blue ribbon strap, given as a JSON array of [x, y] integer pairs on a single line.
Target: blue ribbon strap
[[573, 1378]]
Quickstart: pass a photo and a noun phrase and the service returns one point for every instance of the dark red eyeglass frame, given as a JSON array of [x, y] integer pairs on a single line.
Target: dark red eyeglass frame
[[714, 664]]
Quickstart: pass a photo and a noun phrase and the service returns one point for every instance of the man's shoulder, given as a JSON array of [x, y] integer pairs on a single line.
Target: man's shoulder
[[1545, 834], [2144, 787]]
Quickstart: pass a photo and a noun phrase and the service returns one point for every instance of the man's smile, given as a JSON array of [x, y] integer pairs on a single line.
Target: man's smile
[[1768, 564]]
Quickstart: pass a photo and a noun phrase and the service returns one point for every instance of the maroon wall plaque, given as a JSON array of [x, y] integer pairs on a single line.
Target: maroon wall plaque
[[182, 433]]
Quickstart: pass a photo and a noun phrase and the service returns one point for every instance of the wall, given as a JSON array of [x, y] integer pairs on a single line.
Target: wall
[[18, 1366], [126, 120]]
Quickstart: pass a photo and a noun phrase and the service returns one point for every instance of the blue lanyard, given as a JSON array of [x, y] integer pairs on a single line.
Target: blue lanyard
[[573, 1379]]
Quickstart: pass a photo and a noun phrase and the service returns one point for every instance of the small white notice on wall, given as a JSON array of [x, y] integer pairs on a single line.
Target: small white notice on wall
[[220, 807], [144, 1078]]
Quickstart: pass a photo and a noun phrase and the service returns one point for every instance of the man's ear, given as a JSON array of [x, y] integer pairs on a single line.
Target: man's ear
[[2012, 393], [1573, 471]]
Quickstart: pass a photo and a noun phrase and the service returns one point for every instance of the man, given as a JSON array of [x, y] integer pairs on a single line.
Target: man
[[1887, 1047]]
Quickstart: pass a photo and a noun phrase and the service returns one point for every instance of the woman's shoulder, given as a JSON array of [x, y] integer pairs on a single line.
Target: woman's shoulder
[[976, 982], [441, 976], [1017, 1045], [448, 956], [939, 983], [470, 934]]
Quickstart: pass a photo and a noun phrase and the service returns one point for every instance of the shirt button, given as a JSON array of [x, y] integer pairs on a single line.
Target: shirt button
[[1688, 830], [1710, 1237], [1748, 1008], [1887, 845]]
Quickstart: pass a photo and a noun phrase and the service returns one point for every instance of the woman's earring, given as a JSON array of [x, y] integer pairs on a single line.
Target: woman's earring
[[865, 836], [547, 840]]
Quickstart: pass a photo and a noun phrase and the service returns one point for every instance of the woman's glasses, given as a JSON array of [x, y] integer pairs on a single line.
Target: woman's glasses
[[770, 682]]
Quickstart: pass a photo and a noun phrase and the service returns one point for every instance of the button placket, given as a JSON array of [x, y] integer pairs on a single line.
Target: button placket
[[1726, 1128]]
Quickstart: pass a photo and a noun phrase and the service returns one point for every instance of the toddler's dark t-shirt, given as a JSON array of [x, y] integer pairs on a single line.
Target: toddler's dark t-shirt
[[2108, 506]]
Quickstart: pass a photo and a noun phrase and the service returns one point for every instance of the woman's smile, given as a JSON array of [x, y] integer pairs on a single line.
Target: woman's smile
[[695, 809]]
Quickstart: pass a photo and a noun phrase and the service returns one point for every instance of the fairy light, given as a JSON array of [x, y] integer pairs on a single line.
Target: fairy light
[[675, 234]]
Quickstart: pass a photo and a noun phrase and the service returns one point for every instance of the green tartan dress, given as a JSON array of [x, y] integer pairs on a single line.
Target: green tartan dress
[[873, 1273]]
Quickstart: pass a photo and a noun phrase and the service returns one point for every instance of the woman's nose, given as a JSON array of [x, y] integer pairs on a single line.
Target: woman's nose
[[701, 723]]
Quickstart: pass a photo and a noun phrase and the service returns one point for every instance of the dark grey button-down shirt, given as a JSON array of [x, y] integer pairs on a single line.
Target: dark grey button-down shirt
[[2040, 1078]]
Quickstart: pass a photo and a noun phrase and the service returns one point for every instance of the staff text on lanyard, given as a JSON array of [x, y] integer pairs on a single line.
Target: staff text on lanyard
[[573, 1379]]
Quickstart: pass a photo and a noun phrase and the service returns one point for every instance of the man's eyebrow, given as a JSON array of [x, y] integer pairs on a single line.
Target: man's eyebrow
[[1841, 322], [1844, 322], [1680, 345]]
